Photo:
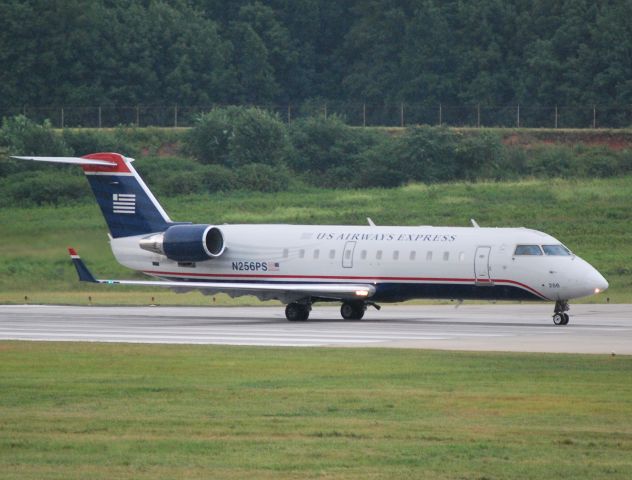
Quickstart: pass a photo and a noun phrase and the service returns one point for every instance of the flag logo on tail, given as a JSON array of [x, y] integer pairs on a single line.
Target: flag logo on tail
[[124, 203]]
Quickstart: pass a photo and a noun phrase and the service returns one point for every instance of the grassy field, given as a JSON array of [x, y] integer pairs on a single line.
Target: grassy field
[[592, 217], [137, 411]]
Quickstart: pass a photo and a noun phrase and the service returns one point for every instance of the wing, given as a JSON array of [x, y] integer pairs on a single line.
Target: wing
[[281, 291]]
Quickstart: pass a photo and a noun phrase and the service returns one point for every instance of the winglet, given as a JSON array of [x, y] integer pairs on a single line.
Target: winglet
[[84, 274]]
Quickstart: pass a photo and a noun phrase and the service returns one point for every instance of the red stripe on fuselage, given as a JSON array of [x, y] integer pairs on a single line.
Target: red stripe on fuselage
[[340, 277], [121, 164]]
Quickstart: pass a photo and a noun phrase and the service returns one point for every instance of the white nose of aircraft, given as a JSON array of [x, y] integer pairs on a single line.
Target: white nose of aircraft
[[586, 280]]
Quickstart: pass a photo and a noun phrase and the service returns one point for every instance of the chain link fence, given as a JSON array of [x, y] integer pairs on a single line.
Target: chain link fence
[[354, 113]]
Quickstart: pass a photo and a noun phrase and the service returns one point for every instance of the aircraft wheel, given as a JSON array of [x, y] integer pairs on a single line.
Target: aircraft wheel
[[566, 318], [558, 318], [352, 310], [297, 312]]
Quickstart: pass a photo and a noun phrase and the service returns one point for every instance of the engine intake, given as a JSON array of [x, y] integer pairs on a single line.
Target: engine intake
[[186, 243]]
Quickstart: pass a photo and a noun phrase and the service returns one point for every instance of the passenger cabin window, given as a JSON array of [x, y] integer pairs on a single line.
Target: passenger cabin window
[[396, 255], [560, 250], [528, 250], [332, 254], [446, 256], [413, 254], [286, 252], [316, 254], [363, 254], [301, 253], [428, 256], [378, 255]]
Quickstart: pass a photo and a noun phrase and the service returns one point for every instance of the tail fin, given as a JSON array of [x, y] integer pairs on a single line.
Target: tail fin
[[127, 204]]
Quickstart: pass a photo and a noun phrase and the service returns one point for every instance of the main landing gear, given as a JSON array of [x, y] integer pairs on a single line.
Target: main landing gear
[[297, 312], [560, 317], [353, 310], [350, 310]]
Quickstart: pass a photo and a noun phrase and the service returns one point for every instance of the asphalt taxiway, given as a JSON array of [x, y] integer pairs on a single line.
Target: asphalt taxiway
[[603, 329]]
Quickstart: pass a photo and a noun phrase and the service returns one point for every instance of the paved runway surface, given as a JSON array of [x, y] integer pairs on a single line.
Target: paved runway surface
[[525, 328]]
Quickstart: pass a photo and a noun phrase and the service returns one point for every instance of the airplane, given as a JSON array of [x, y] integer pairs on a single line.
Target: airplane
[[358, 266]]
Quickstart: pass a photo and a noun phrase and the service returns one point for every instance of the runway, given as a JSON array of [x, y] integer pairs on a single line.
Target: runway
[[603, 329]]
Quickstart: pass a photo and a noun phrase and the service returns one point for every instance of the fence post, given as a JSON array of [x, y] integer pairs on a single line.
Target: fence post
[[555, 116], [401, 114], [100, 116], [518, 116], [478, 115], [325, 109], [137, 116], [364, 114], [440, 114], [289, 113], [62, 117], [175, 116], [594, 116]]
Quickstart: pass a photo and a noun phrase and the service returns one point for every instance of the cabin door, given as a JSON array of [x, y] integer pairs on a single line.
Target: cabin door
[[347, 255], [481, 266]]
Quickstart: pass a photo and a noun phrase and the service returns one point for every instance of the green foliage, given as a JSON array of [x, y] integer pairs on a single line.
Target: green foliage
[[199, 52], [237, 136], [83, 142], [428, 154], [259, 177], [43, 187], [22, 136]]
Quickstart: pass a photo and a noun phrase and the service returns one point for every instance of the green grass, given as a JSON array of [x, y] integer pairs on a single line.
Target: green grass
[[138, 411], [592, 217]]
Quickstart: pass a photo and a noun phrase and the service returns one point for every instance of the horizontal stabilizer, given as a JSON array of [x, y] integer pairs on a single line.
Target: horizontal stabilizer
[[335, 291], [82, 270], [71, 160]]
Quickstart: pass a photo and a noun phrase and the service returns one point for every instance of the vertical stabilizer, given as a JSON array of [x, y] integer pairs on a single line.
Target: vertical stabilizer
[[127, 204]]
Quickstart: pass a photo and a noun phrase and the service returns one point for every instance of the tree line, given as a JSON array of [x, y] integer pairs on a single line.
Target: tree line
[[196, 52]]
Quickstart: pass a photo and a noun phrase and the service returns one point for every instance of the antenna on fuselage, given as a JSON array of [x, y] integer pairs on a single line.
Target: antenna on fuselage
[[371, 224], [474, 224]]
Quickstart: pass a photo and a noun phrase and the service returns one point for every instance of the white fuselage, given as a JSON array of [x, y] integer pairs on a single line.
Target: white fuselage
[[402, 262]]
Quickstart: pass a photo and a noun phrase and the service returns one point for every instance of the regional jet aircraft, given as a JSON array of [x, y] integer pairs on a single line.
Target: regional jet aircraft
[[358, 266]]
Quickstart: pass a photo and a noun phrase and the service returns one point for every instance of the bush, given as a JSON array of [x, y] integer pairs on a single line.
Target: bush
[[237, 136], [322, 143], [84, 142], [217, 178], [43, 187], [428, 154], [597, 162], [22, 136], [478, 156], [550, 161], [263, 178]]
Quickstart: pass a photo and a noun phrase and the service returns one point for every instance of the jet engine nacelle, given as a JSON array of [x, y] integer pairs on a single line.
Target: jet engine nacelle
[[186, 243]]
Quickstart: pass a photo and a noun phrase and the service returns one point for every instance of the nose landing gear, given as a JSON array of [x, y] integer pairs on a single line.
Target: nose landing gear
[[560, 317]]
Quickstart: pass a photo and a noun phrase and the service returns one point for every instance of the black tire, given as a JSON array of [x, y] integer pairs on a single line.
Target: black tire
[[566, 318], [558, 318], [296, 312], [352, 310]]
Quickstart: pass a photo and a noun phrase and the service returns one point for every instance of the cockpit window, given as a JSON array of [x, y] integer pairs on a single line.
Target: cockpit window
[[556, 250], [528, 250]]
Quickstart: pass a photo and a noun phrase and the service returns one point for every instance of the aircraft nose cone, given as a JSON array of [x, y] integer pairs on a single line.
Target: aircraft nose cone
[[601, 284]]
